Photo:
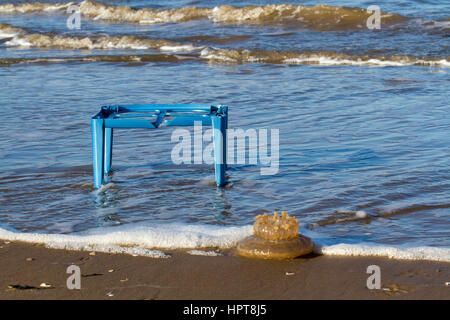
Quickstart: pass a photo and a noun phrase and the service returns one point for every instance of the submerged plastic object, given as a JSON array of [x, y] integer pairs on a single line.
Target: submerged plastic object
[[151, 116], [275, 237]]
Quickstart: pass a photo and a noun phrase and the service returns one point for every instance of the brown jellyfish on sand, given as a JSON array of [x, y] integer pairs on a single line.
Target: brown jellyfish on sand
[[275, 237]]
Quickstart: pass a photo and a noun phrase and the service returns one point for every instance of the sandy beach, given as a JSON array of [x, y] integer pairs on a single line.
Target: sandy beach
[[24, 267]]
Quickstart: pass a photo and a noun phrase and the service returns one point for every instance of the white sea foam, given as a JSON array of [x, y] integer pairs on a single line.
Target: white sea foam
[[323, 59], [327, 61], [204, 253], [4, 35], [121, 42], [9, 31], [142, 240], [180, 48], [57, 7], [108, 248], [18, 42], [401, 253], [319, 17], [118, 239], [33, 7], [216, 54]]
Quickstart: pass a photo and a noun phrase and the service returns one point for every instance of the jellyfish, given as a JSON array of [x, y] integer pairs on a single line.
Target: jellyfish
[[275, 237]]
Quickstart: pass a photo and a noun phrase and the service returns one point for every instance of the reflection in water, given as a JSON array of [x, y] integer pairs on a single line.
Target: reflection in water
[[222, 206]]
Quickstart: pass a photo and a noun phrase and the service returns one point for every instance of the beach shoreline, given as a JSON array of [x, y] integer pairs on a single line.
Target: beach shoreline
[[25, 267]]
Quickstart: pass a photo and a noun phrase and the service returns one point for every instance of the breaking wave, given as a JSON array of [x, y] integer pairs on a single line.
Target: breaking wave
[[31, 7], [140, 240], [320, 17], [8, 31], [99, 42], [128, 59], [17, 37], [319, 58]]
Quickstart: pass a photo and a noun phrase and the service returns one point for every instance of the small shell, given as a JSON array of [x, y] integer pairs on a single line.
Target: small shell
[[45, 285]]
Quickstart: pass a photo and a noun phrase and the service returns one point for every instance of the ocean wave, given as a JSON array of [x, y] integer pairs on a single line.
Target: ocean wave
[[30, 7], [341, 216], [435, 25], [20, 38], [320, 17], [97, 42], [317, 58], [100, 11], [9, 31], [128, 59], [150, 240]]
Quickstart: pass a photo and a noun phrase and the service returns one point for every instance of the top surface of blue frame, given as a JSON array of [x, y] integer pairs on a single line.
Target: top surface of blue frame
[[208, 109], [124, 116]]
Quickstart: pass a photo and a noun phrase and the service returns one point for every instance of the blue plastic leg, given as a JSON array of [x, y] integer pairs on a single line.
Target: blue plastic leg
[[97, 150], [224, 135], [108, 149], [218, 124]]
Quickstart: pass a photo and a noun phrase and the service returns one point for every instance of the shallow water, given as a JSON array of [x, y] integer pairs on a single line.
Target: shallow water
[[354, 135]]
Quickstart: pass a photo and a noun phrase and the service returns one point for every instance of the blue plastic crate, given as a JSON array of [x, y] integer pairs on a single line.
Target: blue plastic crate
[[152, 116]]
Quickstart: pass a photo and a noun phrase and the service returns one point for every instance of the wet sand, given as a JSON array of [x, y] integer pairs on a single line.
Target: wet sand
[[24, 267]]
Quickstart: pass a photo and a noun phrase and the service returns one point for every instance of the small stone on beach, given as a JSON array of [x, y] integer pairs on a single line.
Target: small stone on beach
[[45, 285]]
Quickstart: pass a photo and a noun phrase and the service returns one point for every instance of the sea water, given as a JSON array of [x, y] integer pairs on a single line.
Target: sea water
[[363, 120]]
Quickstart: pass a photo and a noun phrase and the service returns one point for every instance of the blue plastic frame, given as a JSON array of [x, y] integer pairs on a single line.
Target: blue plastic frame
[[136, 116]]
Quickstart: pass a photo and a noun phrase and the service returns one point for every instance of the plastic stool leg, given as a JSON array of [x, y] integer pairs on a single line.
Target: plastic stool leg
[[97, 150], [218, 125], [108, 149], [224, 135]]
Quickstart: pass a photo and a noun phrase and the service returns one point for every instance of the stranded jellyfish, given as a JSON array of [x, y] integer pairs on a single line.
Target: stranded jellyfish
[[275, 237]]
